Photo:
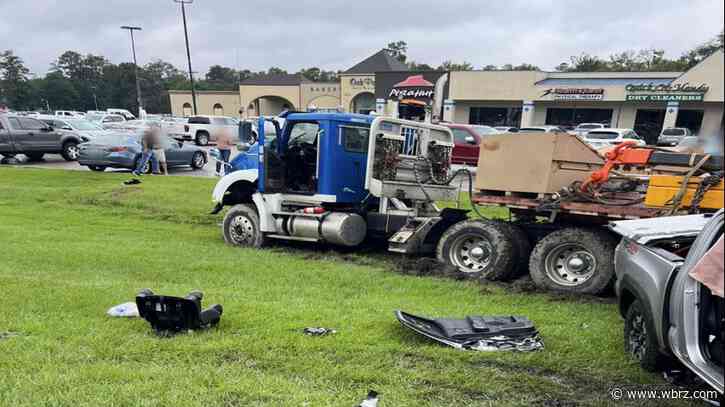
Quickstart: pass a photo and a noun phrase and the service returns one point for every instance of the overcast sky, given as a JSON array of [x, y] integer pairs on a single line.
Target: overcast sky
[[257, 34]]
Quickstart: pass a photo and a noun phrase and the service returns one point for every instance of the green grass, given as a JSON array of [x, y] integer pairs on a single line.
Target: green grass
[[75, 243]]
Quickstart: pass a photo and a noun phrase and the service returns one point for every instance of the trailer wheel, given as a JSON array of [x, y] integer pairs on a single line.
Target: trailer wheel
[[479, 249], [241, 227], [574, 260], [522, 247]]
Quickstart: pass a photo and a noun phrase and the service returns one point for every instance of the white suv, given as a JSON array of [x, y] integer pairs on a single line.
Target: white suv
[[603, 138], [203, 129], [583, 128]]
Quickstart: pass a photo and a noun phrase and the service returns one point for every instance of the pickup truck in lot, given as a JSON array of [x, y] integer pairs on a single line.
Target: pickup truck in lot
[[34, 138], [203, 129]]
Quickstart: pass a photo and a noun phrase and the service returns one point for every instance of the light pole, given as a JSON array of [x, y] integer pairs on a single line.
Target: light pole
[[135, 65], [188, 53]]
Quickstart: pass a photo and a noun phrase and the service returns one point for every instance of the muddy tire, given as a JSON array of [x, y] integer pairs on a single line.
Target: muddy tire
[[522, 247], [640, 340], [202, 138], [241, 227], [573, 260], [478, 248]]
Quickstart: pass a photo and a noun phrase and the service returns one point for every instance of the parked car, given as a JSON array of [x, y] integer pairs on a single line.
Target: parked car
[[667, 311], [68, 113], [505, 129], [121, 112], [123, 150], [542, 129], [467, 139], [672, 136], [604, 138], [75, 125], [203, 129], [34, 138], [104, 118], [583, 128]]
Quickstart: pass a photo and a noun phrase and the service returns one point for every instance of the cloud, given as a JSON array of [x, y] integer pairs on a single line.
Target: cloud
[[257, 34]]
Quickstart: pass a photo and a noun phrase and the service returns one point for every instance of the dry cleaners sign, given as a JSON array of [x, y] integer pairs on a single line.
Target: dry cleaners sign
[[575, 93], [681, 92]]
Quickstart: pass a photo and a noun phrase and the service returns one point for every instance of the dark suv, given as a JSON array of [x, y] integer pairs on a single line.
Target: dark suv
[[34, 138]]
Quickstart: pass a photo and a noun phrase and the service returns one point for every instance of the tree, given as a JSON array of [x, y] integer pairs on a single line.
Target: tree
[[222, 77], [587, 63], [276, 71], [14, 87], [57, 91], [398, 50], [526, 67], [452, 66], [490, 68], [416, 67], [702, 51]]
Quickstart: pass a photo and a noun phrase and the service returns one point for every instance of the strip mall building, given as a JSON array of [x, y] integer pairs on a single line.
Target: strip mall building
[[644, 101]]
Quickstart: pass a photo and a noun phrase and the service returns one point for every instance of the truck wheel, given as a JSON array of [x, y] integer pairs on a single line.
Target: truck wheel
[[34, 156], [70, 151], [202, 138], [198, 161], [478, 248], [639, 336], [522, 247], [241, 227], [573, 260]]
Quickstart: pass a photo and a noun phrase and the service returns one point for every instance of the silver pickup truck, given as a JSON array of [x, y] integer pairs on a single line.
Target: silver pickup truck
[[34, 138], [666, 311]]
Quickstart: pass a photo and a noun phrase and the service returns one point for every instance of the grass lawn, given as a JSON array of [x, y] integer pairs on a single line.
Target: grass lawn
[[75, 243]]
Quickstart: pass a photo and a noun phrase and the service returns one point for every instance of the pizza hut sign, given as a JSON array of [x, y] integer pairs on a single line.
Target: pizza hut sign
[[575, 93], [413, 87]]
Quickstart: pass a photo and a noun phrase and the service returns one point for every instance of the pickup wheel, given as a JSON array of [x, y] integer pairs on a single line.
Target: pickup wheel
[[34, 156], [202, 138], [70, 151], [478, 248], [241, 227], [198, 161], [640, 341], [522, 247], [574, 260]]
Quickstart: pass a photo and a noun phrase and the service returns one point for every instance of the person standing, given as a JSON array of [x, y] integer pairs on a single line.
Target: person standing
[[224, 144], [150, 140]]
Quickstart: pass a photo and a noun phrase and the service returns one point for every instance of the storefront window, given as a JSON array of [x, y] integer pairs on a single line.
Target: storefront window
[[495, 116], [648, 124], [572, 117], [690, 119]]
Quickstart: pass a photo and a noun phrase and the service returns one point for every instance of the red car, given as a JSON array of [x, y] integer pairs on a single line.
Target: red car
[[467, 138]]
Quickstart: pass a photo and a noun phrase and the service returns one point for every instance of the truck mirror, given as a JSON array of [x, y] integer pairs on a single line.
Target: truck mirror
[[245, 132]]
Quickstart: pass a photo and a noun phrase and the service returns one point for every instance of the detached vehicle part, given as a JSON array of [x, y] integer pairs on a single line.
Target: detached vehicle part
[[667, 312], [481, 333], [168, 315]]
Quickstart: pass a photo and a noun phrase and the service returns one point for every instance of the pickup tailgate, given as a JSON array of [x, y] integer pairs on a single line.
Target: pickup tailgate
[[644, 231]]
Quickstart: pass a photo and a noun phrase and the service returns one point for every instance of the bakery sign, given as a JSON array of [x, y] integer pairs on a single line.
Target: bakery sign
[[575, 93], [651, 92]]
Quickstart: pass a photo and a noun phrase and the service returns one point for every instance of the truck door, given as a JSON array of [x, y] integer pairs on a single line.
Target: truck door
[[466, 148], [6, 145], [36, 136], [352, 142]]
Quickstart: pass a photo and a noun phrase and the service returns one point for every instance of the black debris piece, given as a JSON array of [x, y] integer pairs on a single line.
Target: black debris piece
[[132, 181], [482, 333], [318, 331], [169, 315]]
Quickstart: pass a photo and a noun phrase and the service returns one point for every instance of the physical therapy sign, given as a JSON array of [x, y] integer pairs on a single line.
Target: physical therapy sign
[[575, 93]]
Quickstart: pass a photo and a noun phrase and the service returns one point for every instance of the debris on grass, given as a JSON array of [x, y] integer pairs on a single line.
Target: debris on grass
[[318, 331], [126, 310], [8, 334], [371, 400]]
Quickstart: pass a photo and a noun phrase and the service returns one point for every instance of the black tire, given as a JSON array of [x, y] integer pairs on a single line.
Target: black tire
[[70, 151], [522, 247], [241, 227], [640, 340], [198, 161], [34, 156], [574, 260], [202, 138], [97, 168], [495, 259]]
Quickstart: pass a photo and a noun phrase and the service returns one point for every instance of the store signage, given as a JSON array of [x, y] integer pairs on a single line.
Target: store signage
[[367, 83], [413, 87], [681, 92], [575, 93]]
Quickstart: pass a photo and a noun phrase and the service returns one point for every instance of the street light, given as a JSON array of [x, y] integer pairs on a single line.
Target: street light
[[135, 65], [188, 53]]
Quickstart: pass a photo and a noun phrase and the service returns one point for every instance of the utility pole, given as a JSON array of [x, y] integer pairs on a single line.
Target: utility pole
[[135, 65], [188, 53]]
